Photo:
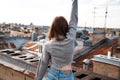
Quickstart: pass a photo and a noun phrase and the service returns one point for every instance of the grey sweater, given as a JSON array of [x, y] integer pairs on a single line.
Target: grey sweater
[[60, 52]]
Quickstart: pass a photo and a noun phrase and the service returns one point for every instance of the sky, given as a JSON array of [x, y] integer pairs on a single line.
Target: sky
[[42, 12]]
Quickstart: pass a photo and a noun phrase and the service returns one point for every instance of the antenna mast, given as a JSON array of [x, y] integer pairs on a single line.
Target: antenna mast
[[106, 12], [94, 17]]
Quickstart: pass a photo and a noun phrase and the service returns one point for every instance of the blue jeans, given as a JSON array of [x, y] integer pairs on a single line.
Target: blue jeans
[[55, 74]]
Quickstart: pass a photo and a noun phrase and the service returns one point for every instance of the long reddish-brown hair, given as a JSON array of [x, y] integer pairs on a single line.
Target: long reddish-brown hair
[[58, 28]]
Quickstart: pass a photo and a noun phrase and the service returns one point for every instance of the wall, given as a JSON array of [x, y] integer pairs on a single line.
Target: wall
[[7, 73], [106, 69]]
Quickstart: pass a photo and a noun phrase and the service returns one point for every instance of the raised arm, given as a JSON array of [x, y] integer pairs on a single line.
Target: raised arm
[[73, 20]]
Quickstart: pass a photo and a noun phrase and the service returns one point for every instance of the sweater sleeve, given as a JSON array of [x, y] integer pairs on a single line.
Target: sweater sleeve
[[73, 20], [42, 65]]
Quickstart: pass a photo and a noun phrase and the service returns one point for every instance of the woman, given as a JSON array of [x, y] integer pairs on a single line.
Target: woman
[[59, 49]]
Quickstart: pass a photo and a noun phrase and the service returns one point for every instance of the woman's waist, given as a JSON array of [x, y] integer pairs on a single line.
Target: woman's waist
[[61, 70], [66, 67]]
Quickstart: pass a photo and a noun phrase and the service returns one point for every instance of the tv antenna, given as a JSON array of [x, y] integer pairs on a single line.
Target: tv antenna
[[106, 12], [94, 12]]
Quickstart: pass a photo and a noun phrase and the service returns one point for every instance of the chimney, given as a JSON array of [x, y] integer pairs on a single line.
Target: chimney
[[86, 64], [98, 35]]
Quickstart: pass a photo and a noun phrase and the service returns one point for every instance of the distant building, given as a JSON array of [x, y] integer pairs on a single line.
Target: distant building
[[1, 40]]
